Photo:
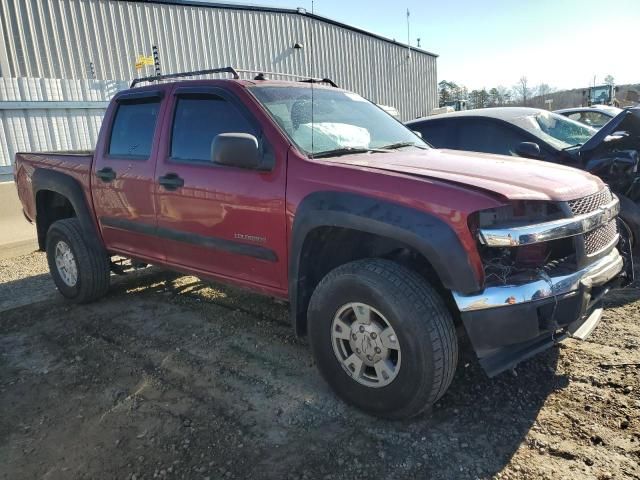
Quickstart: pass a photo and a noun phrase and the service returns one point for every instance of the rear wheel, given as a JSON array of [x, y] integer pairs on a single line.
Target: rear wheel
[[382, 338], [80, 273]]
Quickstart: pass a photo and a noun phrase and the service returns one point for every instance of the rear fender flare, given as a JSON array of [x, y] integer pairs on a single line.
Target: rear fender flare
[[71, 189]]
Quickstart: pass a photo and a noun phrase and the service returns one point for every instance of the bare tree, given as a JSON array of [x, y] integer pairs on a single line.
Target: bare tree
[[504, 94], [609, 80], [543, 90], [522, 90]]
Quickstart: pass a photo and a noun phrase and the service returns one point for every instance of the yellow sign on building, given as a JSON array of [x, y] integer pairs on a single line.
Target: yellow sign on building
[[142, 60]]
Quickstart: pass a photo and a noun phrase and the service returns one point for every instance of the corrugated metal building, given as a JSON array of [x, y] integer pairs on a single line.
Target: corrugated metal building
[[79, 52]]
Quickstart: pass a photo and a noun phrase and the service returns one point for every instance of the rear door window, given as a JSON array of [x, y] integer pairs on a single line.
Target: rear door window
[[488, 136], [133, 129], [197, 120], [593, 119], [439, 134]]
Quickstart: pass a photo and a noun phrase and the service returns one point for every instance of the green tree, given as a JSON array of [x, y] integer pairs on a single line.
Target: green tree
[[494, 97], [446, 92], [483, 98], [499, 96]]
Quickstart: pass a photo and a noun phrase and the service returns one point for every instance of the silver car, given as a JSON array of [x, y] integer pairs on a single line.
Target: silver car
[[596, 116]]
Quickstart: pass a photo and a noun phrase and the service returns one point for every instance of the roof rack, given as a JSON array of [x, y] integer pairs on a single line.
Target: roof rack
[[157, 78], [261, 75]]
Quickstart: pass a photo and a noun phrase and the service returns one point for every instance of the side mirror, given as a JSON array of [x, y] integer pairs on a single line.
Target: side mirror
[[419, 134], [529, 150], [236, 150], [616, 136]]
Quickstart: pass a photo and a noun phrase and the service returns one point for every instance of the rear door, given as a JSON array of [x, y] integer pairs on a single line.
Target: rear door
[[219, 220], [123, 180]]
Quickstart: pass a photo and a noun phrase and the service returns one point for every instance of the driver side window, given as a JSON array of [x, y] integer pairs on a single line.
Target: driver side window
[[197, 120]]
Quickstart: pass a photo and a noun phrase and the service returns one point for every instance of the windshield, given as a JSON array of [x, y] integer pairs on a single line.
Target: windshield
[[337, 122], [560, 131]]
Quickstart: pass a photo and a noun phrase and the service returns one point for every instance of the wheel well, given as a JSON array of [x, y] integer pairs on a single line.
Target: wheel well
[[326, 248], [50, 207]]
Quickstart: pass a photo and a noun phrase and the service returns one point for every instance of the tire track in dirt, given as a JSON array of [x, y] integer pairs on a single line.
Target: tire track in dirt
[[171, 377]]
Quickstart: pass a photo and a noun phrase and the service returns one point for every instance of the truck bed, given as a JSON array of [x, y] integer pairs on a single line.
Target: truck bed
[[77, 164]]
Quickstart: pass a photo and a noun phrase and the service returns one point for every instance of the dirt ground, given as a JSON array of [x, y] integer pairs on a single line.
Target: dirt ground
[[172, 377]]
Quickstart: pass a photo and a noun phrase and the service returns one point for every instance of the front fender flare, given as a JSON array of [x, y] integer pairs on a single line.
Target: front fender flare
[[429, 235]]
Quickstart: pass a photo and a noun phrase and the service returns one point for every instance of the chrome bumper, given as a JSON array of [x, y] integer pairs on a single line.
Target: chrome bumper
[[595, 274], [544, 232]]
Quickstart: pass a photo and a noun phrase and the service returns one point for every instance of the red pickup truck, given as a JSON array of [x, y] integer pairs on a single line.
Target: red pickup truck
[[310, 193]]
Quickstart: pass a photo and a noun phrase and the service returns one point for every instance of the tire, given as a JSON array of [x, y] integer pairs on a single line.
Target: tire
[[66, 241], [630, 215], [428, 349]]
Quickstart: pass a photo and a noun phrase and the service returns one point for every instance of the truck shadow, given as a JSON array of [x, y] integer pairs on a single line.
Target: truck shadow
[[472, 431], [275, 395]]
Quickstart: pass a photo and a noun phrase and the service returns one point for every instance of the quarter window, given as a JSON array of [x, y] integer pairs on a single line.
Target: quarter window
[[196, 123], [133, 128]]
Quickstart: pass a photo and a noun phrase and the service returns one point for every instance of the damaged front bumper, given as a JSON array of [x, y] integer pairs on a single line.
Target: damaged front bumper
[[510, 323]]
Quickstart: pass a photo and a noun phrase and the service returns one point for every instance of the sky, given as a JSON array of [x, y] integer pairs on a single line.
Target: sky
[[485, 43]]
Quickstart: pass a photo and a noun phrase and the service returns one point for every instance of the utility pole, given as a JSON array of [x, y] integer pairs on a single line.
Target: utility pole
[[408, 36]]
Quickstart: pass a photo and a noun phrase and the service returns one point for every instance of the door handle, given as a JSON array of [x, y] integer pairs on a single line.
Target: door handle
[[171, 181], [107, 174]]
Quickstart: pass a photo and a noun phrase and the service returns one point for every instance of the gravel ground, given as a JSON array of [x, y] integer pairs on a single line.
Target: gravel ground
[[172, 377]]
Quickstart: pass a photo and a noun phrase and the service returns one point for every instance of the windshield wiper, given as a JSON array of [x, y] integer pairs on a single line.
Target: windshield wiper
[[572, 146], [336, 152], [394, 146]]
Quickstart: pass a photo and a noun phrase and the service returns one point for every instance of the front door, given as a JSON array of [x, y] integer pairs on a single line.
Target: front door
[[216, 220], [123, 177]]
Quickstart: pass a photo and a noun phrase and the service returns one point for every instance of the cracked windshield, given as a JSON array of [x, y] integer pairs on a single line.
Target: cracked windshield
[[557, 130]]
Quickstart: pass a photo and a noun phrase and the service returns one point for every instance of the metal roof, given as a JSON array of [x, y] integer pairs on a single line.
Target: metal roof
[[290, 11]]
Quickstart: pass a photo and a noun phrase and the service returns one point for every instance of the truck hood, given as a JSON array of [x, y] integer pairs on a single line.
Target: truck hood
[[511, 177]]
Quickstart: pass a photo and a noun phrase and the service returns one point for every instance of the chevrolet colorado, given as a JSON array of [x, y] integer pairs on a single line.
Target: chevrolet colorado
[[311, 194]]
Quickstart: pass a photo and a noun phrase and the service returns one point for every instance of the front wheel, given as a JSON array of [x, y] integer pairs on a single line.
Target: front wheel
[[382, 338], [80, 273], [630, 215]]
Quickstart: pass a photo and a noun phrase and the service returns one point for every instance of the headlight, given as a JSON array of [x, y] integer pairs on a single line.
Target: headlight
[[504, 262], [517, 213]]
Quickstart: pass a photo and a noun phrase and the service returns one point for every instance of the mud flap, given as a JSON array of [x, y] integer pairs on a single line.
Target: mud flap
[[507, 358], [581, 332]]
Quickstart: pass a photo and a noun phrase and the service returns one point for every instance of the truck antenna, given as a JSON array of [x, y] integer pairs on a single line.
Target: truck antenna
[[408, 35], [156, 60], [313, 71]]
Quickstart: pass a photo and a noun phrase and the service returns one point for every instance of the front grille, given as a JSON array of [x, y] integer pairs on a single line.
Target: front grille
[[591, 202], [597, 239]]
